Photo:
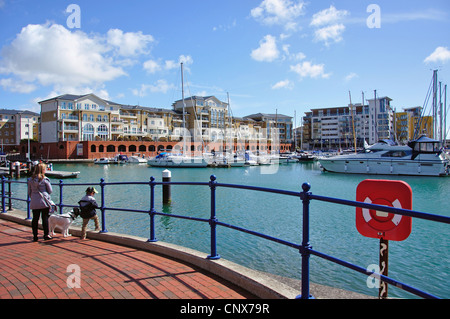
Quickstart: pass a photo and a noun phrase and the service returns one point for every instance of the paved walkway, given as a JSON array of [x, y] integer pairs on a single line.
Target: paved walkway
[[46, 269]]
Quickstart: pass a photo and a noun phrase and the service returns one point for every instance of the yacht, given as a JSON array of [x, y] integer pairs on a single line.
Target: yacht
[[421, 157], [165, 159], [137, 159]]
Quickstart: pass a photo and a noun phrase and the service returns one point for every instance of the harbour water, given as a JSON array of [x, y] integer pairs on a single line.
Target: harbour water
[[422, 260]]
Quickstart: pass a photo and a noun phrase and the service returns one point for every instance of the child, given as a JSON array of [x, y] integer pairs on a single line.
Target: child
[[87, 208]]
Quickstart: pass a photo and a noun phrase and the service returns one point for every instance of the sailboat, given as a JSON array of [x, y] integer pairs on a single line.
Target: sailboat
[[166, 159]]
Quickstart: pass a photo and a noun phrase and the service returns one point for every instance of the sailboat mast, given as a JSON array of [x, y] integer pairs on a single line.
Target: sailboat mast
[[353, 120], [184, 106]]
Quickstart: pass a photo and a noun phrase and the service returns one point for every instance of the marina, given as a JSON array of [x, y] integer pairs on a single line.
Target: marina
[[425, 252]]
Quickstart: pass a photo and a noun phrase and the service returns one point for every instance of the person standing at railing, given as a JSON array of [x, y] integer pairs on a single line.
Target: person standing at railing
[[39, 190], [88, 204]]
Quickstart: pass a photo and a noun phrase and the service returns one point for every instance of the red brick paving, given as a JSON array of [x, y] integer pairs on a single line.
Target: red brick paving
[[39, 270]]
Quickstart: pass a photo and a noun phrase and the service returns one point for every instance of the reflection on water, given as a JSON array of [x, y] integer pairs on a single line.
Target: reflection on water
[[421, 261]]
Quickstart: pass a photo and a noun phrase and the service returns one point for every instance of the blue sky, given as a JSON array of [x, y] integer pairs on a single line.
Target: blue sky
[[269, 55]]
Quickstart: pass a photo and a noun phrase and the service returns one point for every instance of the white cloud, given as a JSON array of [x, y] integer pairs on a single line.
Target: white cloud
[[151, 66], [51, 55], [129, 43], [307, 69], [286, 84], [17, 86], [332, 33], [161, 86], [440, 55], [267, 50], [328, 23], [328, 16], [351, 76], [279, 12]]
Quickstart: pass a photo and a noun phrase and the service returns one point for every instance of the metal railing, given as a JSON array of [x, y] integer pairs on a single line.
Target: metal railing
[[305, 248]]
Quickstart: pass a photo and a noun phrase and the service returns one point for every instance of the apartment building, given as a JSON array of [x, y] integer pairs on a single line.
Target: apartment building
[[340, 127], [410, 124], [17, 125], [90, 118]]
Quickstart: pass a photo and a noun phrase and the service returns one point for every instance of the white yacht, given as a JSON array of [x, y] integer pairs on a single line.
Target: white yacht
[[421, 157], [136, 159], [165, 159]]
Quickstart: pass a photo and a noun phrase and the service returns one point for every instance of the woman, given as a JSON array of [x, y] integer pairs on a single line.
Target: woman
[[38, 187]]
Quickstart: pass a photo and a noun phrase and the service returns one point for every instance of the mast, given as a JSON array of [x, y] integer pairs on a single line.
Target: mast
[[184, 106], [376, 120], [353, 120], [434, 104]]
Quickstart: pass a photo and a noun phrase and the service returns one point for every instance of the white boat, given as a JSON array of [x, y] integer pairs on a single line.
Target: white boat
[[421, 157], [165, 159], [136, 159], [224, 160], [288, 158], [102, 160]]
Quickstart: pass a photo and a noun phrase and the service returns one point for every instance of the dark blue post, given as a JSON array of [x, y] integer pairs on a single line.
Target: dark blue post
[[304, 249], [152, 238], [213, 219], [28, 208], [9, 193], [102, 186], [3, 195], [61, 196]]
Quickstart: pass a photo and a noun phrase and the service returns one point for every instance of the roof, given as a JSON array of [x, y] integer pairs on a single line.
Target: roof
[[272, 116], [14, 112]]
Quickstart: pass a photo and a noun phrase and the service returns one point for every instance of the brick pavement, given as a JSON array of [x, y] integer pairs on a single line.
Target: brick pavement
[[39, 270]]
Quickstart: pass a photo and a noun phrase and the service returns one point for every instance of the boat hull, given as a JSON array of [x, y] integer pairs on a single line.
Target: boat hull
[[380, 167], [178, 162]]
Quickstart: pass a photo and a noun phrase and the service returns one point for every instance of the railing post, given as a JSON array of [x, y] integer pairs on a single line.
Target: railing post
[[9, 193], [213, 219], [304, 249], [61, 205], [3, 195], [102, 208], [151, 213]]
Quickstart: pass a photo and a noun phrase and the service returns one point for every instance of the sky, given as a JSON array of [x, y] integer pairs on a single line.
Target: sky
[[268, 56]]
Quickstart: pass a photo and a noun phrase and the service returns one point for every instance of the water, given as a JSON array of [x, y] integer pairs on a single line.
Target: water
[[422, 260]]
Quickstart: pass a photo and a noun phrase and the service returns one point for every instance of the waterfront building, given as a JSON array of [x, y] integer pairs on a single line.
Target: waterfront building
[[381, 119], [90, 118], [87, 126], [274, 126], [336, 127], [410, 124], [17, 125]]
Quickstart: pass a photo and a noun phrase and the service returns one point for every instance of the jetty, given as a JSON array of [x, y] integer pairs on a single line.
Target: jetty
[[61, 174]]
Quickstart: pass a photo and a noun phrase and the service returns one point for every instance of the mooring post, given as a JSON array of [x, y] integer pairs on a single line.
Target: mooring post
[[152, 211], [3, 195], [102, 208], [61, 205], [305, 247], [166, 177], [213, 219]]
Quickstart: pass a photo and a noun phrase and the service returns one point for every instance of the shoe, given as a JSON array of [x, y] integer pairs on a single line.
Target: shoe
[[47, 237], [35, 239]]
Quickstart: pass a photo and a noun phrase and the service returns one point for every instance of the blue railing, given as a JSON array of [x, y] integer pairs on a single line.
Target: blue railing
[[304, 248]]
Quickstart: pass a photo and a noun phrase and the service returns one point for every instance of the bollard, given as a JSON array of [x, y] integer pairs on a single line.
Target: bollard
[[17, 169], [166, 177]]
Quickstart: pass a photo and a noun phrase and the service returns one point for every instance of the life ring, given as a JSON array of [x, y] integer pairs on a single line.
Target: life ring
[[382, 221]]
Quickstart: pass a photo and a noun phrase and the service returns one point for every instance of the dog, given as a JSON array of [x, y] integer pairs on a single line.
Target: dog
[[62, 221]]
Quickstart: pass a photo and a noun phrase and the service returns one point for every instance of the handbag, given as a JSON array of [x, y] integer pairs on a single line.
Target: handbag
[[50, 204]]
